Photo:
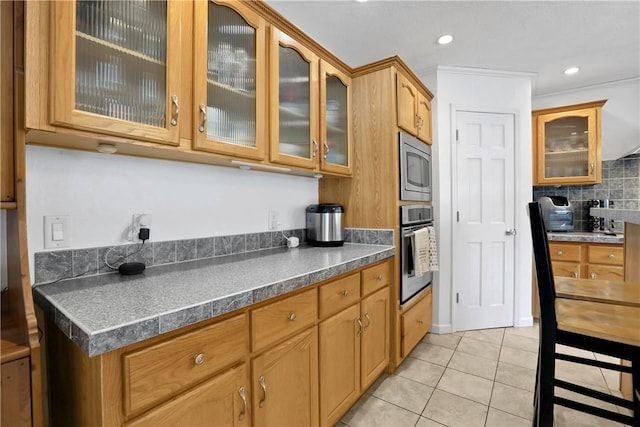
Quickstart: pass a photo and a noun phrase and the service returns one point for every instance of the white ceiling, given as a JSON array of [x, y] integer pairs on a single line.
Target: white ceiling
[[541, 37]]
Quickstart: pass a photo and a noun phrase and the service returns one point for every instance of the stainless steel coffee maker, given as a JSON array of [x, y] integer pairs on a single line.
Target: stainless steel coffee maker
[[600, 224]]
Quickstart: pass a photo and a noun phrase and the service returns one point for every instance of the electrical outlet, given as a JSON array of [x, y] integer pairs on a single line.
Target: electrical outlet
[[273, 220], [138, 221]]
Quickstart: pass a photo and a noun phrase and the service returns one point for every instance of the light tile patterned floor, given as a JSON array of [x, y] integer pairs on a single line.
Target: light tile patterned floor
[[474, 378]]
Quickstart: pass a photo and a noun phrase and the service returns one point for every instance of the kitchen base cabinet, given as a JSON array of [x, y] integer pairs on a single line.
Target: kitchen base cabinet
[[285, 383], [275, 363], [220, 401], [16, 393], [583, 260]]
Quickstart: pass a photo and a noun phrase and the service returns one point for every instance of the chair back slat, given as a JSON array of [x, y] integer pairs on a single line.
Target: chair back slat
[[544, 271]]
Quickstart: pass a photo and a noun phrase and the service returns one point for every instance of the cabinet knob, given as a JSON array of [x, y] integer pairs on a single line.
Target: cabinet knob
[[420, 321], [611, 256], [198, 359], [379, 278], [575, 274], [292, 316], [560, 253], [593, 276], [345, 293], [593, 169]]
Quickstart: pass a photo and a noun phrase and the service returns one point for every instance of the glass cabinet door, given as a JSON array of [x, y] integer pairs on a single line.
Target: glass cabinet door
[[294, 102], [567, 145], [335, 95], [115, 68], [229, 79]]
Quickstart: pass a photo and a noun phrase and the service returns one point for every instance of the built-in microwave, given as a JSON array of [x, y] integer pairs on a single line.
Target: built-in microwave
[[415, 169]]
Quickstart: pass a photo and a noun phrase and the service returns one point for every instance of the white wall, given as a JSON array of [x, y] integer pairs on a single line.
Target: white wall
[[100, 192], [490, 91], [620, 115]]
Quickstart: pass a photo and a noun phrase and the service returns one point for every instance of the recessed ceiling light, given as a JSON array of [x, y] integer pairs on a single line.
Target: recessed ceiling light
[[571, 70], [445, 39]]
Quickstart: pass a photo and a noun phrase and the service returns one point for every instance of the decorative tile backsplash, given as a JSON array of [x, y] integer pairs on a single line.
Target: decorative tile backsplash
[[620, 184], [57, 265]]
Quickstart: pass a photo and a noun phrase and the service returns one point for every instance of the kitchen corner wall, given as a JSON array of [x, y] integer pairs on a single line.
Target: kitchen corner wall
[[100, 192], [620, 183]]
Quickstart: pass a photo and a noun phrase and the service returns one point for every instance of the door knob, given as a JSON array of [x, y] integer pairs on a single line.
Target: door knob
[[510, 232]]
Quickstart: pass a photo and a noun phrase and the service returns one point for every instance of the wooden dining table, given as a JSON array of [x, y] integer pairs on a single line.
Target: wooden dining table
[[601, 308]]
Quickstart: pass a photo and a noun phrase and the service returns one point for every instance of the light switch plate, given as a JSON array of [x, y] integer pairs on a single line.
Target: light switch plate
[[57, 227]]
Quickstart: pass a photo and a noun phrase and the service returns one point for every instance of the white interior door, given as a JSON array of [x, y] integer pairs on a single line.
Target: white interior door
[[483, 231]]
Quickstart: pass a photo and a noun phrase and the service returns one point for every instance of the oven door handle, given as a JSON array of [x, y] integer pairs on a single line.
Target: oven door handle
[[410, 255]]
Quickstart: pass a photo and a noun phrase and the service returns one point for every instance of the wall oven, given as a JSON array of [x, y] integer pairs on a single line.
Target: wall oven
[[415, 169], [412, 218]]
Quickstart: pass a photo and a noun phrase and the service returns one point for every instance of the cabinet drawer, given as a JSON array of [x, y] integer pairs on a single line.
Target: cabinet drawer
[[610, 255], [566, 269], [564, 252], [155, 373], [376, 277], [603, 272], [416, 323], [279, 319], [337, 295]]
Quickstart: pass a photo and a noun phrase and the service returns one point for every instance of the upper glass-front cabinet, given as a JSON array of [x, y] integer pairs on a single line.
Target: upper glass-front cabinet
[[310, 114], [229, 79], [116, 67], [335, 138], [568, 145]]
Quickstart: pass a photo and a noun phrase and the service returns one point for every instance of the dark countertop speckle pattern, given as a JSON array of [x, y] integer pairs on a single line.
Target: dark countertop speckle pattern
[[106, 312], [584, 236]]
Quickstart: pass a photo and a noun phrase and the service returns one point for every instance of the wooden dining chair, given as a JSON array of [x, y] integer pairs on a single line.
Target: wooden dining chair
[[583, 325]]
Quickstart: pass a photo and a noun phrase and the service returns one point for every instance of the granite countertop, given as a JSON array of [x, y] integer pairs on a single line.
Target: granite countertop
[[627, 215], [106, 312], [585, 236]]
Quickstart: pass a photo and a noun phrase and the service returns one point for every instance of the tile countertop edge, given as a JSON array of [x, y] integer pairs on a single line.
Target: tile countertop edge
[[627, 215], [586, 236], [103, 341]]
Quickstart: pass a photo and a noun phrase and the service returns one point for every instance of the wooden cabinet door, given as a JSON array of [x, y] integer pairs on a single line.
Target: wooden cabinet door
[[221, 401], [116, 68], [16, 393], [6, 103], [335, 120], [294, 102], [229, 80], [424, 119], [339, 364], [285, 383], [407, 100], [375, 336]]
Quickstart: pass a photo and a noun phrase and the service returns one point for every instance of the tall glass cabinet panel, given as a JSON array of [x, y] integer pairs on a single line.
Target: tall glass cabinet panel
[[568, 146], [122, 74], [335, 94], [229, 50], [294, 111]]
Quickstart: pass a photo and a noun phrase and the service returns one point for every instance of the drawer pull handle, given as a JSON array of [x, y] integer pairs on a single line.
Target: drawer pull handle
[[244, 403], [560, 253], [199, 358], [611, 256], [360, 326], [379, 277], [264, 390], [345, 293], [292, 316], [368, 321], [315, 147], [575, 274], [421, 321], [593, 276]]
